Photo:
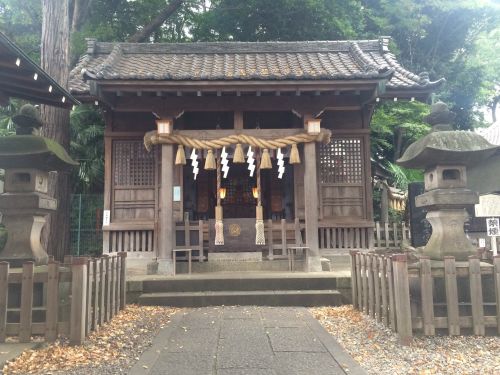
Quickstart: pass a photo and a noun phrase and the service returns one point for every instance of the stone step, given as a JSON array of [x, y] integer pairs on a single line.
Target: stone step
[[305, 298], [244, 284]]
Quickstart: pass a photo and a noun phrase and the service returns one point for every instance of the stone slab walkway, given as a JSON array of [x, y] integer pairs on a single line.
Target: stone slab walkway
[[243, 340]]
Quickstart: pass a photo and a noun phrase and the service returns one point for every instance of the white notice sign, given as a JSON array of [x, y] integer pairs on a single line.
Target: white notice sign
[[493, 226], [106, 218], [177, 193]]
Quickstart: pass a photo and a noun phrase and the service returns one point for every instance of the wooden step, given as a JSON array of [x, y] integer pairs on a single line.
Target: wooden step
[[322, 297]]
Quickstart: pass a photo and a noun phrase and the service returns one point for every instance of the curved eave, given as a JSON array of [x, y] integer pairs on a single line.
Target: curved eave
[[24, 92]]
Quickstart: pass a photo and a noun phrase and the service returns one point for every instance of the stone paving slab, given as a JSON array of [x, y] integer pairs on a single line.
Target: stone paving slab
[[229, 340]]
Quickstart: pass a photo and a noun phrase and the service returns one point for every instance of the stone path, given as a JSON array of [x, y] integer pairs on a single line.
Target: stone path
[[245, 340]]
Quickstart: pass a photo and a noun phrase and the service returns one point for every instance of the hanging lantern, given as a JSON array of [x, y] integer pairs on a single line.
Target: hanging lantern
[[222, 192], [239, 156], [294, 155], [255, 192], [313, 126], [180, 157], [210, 160], [164, 126], [265, 160]]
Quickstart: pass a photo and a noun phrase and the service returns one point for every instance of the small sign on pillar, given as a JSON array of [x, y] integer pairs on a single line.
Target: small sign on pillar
[[106, 218], [493, 230]]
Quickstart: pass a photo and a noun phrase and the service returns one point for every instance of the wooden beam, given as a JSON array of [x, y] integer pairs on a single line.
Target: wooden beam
[[238, 120], [302, 104]]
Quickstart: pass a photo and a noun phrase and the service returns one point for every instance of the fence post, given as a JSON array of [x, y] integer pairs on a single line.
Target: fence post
[[427, 295], [90, 279], [390, 282], [78, 300], [450, 280], [371, 291], [26, 302], [4, 289], [476, 295], [117, 283], [359, 281], [364, 280], [354, 280], [96, 287], [383, 288], [496, 277], [112, 286], [107, 283], [376, 286], [52, 311], [102, 300], [402, 298], [123, 280]]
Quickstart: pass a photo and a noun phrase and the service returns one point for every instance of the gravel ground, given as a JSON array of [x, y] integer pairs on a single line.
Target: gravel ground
[[377, 349], [111, 350]]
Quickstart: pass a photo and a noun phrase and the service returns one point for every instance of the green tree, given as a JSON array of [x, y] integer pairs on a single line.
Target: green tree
[[280, 20]]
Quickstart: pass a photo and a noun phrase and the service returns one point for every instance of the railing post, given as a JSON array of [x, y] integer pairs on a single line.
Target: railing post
[[52, 311], [4, 290], [427, 299], [402, 298], [123, 279], [354, 280], [450, 280], [26, 302], [476, 295], [78, 300], [496, 278]]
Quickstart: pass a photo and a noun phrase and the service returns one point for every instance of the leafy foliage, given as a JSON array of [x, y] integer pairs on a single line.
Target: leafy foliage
[[87, 147]]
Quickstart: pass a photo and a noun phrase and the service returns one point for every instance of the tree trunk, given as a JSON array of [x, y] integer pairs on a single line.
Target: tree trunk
[[147, 30], [55, 61]]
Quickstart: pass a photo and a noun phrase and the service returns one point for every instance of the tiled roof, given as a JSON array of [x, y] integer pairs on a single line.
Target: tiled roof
[[238, 61]]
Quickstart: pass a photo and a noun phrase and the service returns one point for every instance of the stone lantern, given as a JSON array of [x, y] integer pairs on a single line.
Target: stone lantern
[[27, 160], [445, 154]]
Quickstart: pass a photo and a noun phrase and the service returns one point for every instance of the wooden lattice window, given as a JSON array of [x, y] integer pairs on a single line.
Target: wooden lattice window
[[132, 164], [341, 161]]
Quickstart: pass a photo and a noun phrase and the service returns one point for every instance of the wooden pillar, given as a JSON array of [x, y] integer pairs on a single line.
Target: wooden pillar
[[311, 204], [166, 227], [108, 173], [384, 203]]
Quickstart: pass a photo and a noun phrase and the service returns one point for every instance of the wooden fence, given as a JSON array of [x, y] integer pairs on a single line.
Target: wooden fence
[[427, 295], [72, 299]]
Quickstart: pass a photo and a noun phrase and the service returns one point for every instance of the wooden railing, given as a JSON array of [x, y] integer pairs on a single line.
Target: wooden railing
[[72, 299], [335, 238], [280, 234], [427, 295], [191, 235], [138, 240], [390, 235]]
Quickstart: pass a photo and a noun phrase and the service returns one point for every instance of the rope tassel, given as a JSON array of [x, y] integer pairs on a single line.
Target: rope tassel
[[210, 161], [239, 156], [180, 157], [265, 160], [260, 238], [219, 226], [294, 155]]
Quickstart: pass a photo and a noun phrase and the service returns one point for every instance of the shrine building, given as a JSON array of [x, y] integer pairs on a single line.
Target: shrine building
[[240, 151]]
